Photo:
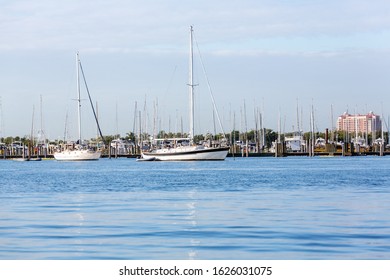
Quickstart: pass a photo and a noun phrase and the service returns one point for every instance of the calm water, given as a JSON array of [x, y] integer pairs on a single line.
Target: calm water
[[255, 208]]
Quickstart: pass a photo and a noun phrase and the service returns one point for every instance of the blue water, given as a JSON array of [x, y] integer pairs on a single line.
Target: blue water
[[251, 208]]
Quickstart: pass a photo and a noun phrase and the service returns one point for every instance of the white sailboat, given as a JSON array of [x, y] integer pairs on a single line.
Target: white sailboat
[[184, 149], [77, 152]]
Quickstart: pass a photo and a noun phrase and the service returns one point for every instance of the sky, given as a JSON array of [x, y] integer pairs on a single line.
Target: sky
[[280, 58]]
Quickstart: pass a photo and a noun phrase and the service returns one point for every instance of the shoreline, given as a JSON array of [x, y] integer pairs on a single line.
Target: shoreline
[[235, 155]]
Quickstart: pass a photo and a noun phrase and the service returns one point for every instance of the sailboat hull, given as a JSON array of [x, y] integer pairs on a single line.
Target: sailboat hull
[[187, 154], [77, 155]]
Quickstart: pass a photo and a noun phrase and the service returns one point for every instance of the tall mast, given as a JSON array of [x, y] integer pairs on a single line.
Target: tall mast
[[32, 129], [298, 128], [78, 95], [1, 120], [191, 85]]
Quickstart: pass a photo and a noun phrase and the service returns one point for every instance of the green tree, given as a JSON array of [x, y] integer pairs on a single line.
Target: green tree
[[270, 136], [198, 138], [130, 136]]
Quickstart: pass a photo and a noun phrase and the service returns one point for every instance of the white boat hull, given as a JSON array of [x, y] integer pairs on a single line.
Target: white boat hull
[[77, 155], [187, 154]]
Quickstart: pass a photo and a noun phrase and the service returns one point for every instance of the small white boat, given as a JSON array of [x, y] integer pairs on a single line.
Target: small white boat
[[26, 159], [146, 159], [76, 155], [20, 159]]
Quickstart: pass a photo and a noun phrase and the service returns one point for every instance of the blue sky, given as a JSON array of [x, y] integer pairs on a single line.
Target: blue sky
[[268, 55]]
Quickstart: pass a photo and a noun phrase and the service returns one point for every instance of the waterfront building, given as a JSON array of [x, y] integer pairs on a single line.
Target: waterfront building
[[359, 123]]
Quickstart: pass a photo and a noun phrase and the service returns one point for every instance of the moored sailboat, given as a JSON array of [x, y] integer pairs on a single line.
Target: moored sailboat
[[184, 149], [196, 152], [77, 152]]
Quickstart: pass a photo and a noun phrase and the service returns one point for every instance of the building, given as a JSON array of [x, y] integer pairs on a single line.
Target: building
[[359, 123]]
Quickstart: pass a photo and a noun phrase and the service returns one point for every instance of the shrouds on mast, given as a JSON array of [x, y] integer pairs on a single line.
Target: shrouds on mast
[[90, 101]]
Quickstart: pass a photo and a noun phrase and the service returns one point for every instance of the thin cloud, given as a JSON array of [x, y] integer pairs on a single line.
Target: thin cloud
[[133, 24]]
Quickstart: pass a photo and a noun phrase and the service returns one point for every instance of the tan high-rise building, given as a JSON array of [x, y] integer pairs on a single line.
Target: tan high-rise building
[[359, 123]]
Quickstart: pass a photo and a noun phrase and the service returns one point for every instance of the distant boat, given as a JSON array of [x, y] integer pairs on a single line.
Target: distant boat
[[184, 149], [77, 152], [146, 159], [20, 159], [27, 159], [20, 147]]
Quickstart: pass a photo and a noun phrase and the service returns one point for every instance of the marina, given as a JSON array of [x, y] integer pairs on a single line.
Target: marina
[[212, 140], [9, 156], [351, 135], [124, 149]]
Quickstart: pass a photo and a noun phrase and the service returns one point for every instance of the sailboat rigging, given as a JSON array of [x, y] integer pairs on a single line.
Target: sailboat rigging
[[183, 149], [79, 151]]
